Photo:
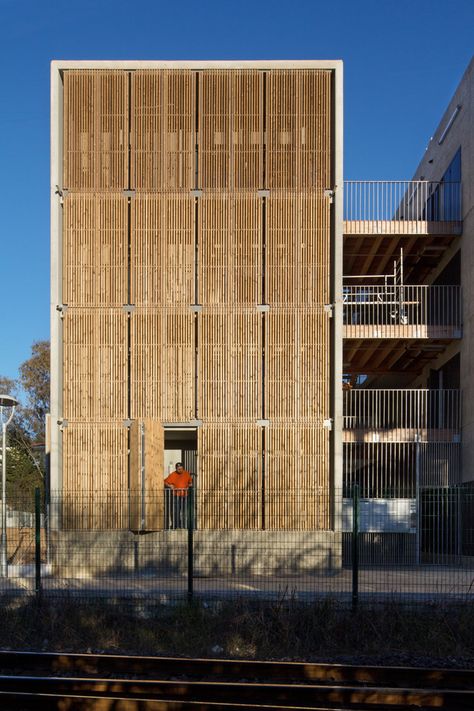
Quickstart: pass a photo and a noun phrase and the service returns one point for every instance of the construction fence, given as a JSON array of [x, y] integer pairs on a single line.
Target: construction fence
[[410, 546]]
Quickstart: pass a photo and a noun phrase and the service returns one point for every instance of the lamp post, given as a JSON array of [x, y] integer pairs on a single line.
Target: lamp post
[[7, 409]]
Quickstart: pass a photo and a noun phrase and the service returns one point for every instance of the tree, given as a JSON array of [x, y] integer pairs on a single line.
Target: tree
[[26, 434]]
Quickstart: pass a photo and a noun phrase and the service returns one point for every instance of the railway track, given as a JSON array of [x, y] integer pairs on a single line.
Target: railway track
[[69, 682]]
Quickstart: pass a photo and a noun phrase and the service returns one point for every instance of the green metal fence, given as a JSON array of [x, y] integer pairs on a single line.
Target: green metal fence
[[404, 547]]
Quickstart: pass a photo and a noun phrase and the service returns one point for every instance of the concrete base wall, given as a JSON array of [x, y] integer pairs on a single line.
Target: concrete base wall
[[89, 554]]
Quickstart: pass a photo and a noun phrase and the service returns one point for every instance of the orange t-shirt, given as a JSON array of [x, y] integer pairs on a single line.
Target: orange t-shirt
[[182, 482]]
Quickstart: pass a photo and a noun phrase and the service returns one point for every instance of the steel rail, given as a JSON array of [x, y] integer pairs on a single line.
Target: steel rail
[[211, 683]]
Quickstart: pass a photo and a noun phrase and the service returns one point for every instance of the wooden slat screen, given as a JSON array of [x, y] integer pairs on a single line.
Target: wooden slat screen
[[95, 475], [194, 148], [95, 346], [230, 363], [229, 482], [298, 249], [163, 122], [230, 249], [231, 130], [298, 128], [296, 478], [162, 250], [96, 127], [162, 364], [95, 227], [146, 480]]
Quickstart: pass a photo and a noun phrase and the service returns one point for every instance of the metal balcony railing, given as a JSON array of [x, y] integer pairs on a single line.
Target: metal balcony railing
[[415, 411], [397, 311], [404, 201]]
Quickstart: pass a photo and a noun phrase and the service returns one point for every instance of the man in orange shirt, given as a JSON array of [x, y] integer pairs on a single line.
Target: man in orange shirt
[[179, 482]]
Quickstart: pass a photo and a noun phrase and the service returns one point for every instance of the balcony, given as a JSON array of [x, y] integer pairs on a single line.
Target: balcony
[[409, 415], [405, 207], [380, 217], [402, 311]]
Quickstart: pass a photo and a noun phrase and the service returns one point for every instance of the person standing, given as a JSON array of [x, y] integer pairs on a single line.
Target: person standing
[[179, 483]]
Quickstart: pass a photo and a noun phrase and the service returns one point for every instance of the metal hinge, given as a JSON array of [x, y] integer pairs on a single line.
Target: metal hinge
[[263, 193], [129, 193], [263, 307], [128, 308], [196, 193], [63, 423], [62, 308], [329, 309], [327, 424], [196, 308], [329, 194], [127, 423], [263, 423]]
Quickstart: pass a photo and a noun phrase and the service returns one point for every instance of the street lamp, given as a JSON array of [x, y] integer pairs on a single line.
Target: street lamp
[[7, 409]]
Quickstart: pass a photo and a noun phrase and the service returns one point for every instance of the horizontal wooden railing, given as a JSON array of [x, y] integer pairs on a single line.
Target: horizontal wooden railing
[[416, 410], [397, 311]]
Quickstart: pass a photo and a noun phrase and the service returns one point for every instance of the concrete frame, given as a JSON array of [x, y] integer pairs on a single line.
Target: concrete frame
[[57, 67]]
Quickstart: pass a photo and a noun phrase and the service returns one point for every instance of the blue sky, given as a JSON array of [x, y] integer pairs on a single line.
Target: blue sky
[[403, 60]]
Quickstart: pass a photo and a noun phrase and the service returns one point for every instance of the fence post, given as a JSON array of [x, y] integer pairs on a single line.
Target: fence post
[[37, 541], [355, 546], [190, 502]]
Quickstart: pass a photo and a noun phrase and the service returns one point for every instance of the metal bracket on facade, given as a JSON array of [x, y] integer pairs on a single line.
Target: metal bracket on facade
[[128, 308], [263, 193], [196, 308], [129, 193], [63, 423], [327, 424], [329, 309], [263, 307], [62, 308], [263, 423], [62, 194], [329, 194], [196, 193], [127, 423]]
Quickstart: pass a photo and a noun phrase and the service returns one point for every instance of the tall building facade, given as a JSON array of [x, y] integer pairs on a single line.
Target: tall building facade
[[196, 286]]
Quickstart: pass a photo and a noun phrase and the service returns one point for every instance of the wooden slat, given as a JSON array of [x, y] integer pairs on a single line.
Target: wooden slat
[[230, 364], [95, 130], [95, 476], [230, 249], [146, 482], [229, 482], [298, 123], [162, 250], [95, 228], [230, 130], [297, 494], [298, 249], [163, 130], [297, 365], [95, 346], [162, 364]]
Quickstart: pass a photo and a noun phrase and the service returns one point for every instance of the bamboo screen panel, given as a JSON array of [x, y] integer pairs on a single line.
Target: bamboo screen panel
[[96, 127], [95, 249], [230, 249], [298, 129], [162, 250], [230, 370], [297, 478], [95, 471], [297, 367], [162, 364], [95, 346], [298, 249], [231, 130], [229, 485], [163, 121]]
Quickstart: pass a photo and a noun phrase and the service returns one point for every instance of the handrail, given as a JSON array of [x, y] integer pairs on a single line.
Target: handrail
[[410, 409], [403, 305], [402, 200]]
